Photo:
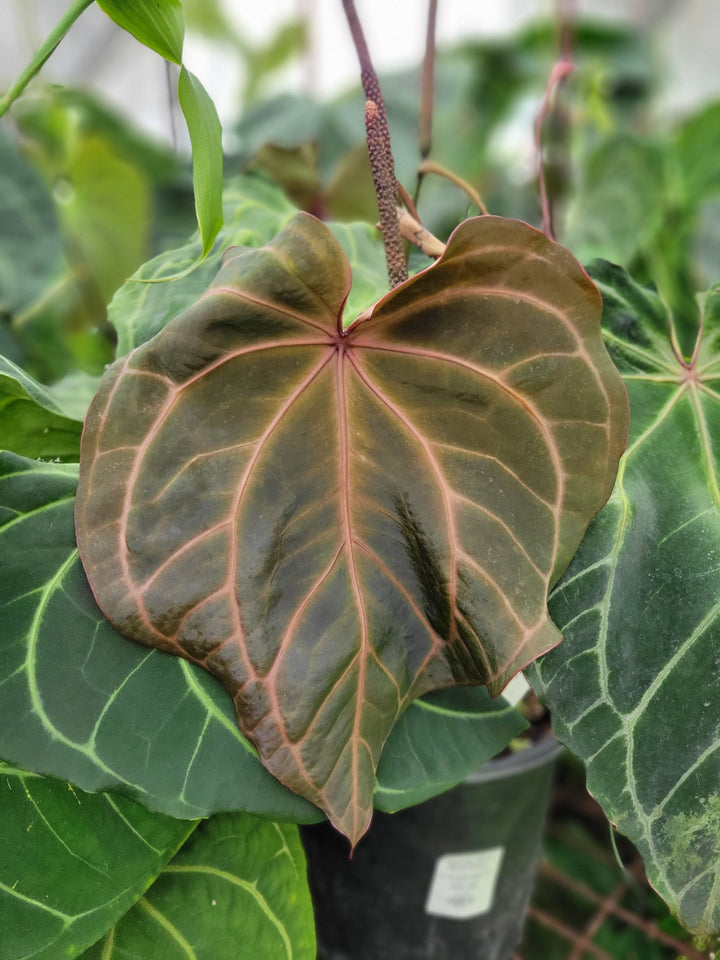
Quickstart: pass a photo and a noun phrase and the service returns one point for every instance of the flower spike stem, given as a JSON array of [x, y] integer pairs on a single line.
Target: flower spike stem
[[381, 159], [428, 83], [427, 95], [562, 68]]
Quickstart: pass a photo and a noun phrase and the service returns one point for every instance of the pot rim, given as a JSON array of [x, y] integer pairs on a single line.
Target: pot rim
[[541, 752]]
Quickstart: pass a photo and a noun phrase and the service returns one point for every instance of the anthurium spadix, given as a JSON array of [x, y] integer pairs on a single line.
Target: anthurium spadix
[[336, 519]]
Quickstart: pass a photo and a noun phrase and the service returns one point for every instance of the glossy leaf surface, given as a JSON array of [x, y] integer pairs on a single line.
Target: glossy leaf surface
[[438, 741], [206, 139], [157, 24], [336, 521], [236, 891], [32, 421], [72, 863], [100, 723], [633, 690]]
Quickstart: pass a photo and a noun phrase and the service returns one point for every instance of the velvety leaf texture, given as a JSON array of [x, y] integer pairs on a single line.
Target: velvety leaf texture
[[336, 520], [99, 722], [634, 689]]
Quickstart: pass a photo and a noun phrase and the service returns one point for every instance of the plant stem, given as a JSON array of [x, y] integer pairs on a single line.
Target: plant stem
[[44, 53], [170, 88], [427, 95], [380, 153], [561, 69], [429, 166], [428, 83], [416, 233]]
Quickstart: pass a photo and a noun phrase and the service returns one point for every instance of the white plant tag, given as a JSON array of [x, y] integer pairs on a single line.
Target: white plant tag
[[463, 884], [516, 689]]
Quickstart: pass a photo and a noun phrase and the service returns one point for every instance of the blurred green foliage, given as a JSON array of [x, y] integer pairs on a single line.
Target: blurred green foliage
[[85, 199]]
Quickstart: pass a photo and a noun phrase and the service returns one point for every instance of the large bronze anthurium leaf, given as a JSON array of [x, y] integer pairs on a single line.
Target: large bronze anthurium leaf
[[336, 520]]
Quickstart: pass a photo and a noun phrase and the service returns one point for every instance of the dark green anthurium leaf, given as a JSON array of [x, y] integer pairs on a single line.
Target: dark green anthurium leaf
[[100, 723], [72, 863], [336, 520], [438, 741], [236, 891], [633, 690], [157, 24]]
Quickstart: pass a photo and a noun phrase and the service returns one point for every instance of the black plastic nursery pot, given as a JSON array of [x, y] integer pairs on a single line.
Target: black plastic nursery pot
[[449, 879]]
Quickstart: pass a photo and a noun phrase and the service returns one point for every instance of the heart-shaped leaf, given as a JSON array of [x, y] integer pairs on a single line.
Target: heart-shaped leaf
[[634, 689], [335, 521]]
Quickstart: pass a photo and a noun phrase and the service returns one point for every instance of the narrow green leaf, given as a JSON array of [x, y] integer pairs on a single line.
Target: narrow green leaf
[[633, 688], [236, 891], [72, 863], [157, 24], [206, 139], [98, 720]]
